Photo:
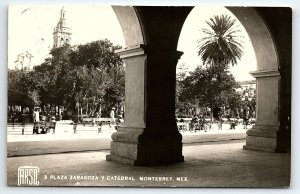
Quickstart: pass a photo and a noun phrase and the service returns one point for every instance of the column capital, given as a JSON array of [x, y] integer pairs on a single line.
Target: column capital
[[141, 49], [131, 51], [265, 73], [166, 53]]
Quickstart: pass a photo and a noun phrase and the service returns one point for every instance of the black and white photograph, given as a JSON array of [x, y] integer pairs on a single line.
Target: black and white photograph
[[149, 96]]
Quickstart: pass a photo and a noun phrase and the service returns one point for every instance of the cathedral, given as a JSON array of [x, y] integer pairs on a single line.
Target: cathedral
[[62, 33]]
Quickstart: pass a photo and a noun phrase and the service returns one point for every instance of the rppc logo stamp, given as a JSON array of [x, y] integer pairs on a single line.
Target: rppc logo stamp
[[28, 176]]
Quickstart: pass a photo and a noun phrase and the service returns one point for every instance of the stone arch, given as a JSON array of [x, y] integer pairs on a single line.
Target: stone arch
[[131, 26], [260, 37], [263, 136], [149, 135], [267, 77]]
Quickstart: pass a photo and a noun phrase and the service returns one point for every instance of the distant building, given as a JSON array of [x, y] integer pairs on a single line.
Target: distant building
[[181, 71], [248, 88], [24, 61], [62, 33]]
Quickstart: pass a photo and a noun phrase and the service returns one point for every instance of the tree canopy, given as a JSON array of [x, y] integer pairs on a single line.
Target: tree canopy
[[91, 75], [222, 44], [208, 87], [211, 85]]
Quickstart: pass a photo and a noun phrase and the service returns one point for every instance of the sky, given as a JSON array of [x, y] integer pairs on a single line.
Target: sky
[[191, 32], [31, 27]]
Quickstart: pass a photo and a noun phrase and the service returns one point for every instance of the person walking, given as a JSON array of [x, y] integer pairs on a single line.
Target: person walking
[[75, 127], [52, 124], [100, 127], [36, 121], [75, 120], [112, 116]]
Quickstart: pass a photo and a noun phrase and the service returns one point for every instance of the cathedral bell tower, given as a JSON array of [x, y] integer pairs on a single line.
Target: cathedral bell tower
[[62, 33]]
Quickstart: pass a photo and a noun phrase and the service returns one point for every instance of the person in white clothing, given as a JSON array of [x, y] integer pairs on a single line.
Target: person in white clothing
[[112, 116]]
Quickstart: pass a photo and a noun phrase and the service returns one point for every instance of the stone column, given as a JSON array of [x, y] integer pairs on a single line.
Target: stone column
[[263, 136], [149, 135]]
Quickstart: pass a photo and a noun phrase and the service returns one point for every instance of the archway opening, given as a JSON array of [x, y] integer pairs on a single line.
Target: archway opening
[[199, 106], [267, 79]]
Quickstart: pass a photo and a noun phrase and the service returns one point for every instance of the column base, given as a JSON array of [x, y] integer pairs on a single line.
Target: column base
[[140, 147], [284, 141], [262, 138]]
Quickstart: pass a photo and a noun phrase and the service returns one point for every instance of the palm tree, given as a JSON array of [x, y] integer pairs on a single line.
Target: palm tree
[[222, 44]]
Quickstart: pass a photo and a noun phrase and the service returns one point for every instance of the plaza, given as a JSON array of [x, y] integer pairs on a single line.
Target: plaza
[[148, 143], [222, 164], [212, 159]]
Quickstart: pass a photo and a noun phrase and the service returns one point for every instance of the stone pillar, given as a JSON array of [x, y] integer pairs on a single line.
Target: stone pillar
[[263, 136], [149, 135]]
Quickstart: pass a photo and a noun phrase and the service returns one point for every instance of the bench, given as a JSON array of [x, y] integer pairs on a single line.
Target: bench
[[94, 121]]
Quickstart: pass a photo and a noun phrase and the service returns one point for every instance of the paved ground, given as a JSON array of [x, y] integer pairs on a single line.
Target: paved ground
[[206, 165], [64, 131], [212, 159], [88, 139]]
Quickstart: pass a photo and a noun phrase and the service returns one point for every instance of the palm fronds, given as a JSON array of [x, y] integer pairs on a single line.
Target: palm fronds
[[222, 45]]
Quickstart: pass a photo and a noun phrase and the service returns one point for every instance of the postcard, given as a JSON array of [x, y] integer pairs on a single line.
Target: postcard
[[149, 96]]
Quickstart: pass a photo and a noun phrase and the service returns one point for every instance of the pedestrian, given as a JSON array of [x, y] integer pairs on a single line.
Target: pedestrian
[[75, 127], [194, 123], [202, 124], [112, 116], [36, 115], [233, 123], [100, 127], [246, 120], [35, 128], [93, 121], [118, 121], [36, 120], [52, 124], [220, 123], [23, 127]]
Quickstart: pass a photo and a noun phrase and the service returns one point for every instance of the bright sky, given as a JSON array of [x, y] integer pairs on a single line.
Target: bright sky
[[191, 32], [31, 27]]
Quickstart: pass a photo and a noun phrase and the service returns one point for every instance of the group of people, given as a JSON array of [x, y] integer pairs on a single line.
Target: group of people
[[116, 120], [199, 123], [41, 126]]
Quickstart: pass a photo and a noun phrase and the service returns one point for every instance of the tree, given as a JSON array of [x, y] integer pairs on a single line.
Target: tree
[[222, 45], [99, 54], [20, 89], [115, 92], [210, 87], [100, 78], [91, 75], [52, 79]]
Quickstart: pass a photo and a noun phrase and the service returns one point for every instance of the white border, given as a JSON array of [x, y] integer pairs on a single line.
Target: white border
[[295, 4]]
